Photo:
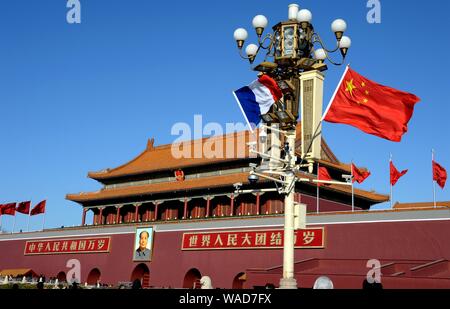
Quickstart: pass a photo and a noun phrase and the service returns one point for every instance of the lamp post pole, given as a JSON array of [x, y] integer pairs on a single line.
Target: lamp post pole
[[288, 280], [295, 64]]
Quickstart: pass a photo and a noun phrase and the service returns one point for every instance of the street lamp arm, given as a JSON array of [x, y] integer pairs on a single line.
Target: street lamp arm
[[274, 129], [291, 186], [317, 39], [268, 178], [335, 63], [266, 156], [246, 57], [331, 182], [262, 41]]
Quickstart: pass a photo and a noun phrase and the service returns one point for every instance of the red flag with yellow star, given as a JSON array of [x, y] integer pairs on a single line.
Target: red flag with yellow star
[[373, 108]]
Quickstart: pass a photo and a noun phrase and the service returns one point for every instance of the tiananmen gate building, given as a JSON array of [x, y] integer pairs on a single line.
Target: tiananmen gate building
[[168, 222]]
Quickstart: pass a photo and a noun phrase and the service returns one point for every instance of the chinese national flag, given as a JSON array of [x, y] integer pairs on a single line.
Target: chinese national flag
[[371, 107], [395, 174], [358, 175], [38, 209], [323, 175], [8, 209], [439, 174], [24, 207]]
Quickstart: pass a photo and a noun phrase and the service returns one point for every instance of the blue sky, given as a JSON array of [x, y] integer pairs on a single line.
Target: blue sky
[[78, 98]]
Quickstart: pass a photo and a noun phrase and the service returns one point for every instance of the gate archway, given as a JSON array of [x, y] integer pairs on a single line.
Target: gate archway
[[239, 280], [192, 278], [142, 273], [61, 276], [93, 277]]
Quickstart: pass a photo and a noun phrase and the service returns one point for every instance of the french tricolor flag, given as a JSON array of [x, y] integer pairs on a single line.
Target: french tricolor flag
[[257, 98]]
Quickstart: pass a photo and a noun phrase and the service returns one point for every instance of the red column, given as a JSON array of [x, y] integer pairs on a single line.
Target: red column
[[232, 205], [185, 208], [118, 215], [257, 203], [136, 212], [101, 216], [208, 203], [156, 212], [83, 219]]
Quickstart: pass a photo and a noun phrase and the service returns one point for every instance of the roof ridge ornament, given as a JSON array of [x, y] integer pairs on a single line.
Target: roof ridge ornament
[[150, 144]]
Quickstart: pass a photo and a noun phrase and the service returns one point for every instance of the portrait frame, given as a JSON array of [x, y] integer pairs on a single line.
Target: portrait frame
[[151, 234]]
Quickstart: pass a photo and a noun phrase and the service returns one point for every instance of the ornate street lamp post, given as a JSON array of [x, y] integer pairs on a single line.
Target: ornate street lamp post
[[295, 56]]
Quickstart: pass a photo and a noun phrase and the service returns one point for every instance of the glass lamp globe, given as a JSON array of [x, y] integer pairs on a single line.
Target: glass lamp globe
[[344, 45], [345, 42], [251, 50], [304, 16], [320, 55], [260, 23], [339, 26], [240, 35]]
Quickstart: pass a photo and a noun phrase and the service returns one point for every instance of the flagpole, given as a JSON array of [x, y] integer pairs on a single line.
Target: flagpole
[[14, 223], [243, 113], [318, 168], [43, 222], [28, 222], [434, 181], [353, 191], [390, 182], [335, 93]]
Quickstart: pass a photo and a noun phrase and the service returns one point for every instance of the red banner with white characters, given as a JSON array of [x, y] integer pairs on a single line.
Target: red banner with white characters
[[256, 239], [68, 246]]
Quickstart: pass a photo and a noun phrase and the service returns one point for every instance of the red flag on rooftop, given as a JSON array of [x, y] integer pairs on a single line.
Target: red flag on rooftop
[[8, 209], [38, 209], [358, 175], [323, 174], [395, 174], [439, 174], [24, 207], [373, 108]]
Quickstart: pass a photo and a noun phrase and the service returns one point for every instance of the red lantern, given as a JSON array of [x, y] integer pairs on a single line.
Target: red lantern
[[179, 175]]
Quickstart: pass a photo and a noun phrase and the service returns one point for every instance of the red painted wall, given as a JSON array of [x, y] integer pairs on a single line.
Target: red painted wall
[[357, 243]]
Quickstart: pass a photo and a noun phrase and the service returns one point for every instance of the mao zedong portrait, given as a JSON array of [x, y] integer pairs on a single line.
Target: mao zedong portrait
[[143, 253]]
